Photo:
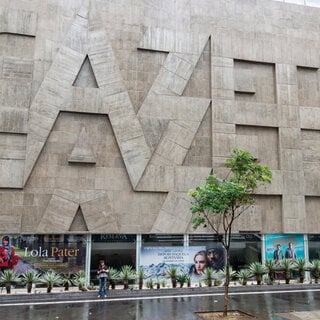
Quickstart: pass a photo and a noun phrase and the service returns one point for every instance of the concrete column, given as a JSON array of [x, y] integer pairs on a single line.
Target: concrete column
[[88, 259]]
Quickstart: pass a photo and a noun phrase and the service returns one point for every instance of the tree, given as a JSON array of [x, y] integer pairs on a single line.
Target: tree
[[219, 202]]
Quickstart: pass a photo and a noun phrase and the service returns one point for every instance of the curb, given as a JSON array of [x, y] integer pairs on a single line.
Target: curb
[[145, 293]]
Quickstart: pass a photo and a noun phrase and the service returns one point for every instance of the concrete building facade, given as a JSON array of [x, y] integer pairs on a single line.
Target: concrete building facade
[[110, 111]]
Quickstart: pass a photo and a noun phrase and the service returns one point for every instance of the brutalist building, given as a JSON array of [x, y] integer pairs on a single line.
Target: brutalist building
[[110, 111]]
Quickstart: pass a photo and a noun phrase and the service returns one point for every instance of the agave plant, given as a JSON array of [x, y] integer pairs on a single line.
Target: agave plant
[[271, 268], [315, 269], [286, 266], [173, 273], [7, 278], [80, 280], [221, 275], [149, 284], [113, 276], [188, 281], [51, 278], [67, 281], [243, 276], [182, 279], [257, 270], [301, 265], [29, 278], [158, 283], [141, 275], [126, 274], [208, 276]]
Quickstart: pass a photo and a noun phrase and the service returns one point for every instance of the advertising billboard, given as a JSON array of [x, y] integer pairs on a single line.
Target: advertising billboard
[[62, 253], [188, 260], [280, 246]]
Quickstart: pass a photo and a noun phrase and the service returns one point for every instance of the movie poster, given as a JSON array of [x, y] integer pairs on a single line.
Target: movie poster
[[189, 260], [62, 253], [281, 246]]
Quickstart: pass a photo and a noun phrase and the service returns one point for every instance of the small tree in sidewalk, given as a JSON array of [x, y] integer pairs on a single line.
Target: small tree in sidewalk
[[219, 202]]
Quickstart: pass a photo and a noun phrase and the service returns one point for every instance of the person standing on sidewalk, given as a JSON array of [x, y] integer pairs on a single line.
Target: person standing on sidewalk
[[103, 276]]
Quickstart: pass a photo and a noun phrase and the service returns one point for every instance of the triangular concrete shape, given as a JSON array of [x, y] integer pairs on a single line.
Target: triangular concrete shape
[[56, 93], [78, 223], [82, 151], [85, 77]]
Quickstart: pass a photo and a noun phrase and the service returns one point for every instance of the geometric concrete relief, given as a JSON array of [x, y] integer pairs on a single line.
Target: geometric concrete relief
[[179, 117], [88, 66], [78, 223], [82, 151], [86, 78], [17, 32], [72, 210], [56, 92]]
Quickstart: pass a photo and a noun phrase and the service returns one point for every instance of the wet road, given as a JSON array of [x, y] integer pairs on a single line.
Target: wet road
[[262, 305]]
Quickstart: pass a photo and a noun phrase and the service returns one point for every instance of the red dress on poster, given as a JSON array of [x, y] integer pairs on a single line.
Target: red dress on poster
[[8, 258], [4, 263]]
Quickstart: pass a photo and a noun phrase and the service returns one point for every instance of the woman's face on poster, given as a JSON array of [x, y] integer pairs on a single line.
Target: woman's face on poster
[[200, 263]]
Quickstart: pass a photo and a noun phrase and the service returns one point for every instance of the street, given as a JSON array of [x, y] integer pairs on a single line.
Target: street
[[263, 305]]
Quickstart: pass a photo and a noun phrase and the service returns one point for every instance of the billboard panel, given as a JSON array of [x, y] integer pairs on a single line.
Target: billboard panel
[[189, 260], [62, 253], [280, 246]]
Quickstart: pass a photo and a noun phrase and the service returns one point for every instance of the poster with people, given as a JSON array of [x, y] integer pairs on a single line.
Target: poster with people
[[189, 260], [62, 253], [284, 246]]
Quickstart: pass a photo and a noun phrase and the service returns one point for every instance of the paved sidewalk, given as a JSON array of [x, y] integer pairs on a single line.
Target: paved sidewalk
[[74, 294]]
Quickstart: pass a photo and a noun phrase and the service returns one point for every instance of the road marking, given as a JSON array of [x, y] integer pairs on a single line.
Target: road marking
[[97, 300]]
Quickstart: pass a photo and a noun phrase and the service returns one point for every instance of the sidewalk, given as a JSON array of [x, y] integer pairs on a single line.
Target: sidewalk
[[74, 294]]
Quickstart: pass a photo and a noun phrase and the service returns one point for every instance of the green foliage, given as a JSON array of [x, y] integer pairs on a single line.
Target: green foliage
[[173, 272], [257, 270], [30, 277], [266, 279], [223, 273], [126, 274], [80, 274], [224, 196], [271, 268], [141, 274], [219, 202], [315, 269], [243, 276], [301, 265], [182, 279], [80, 280], [208, 276], [67, 280], [286, 266], [7, 278], [149, 284], [113, 276], [245, 170], [157, 282], [51, 278]]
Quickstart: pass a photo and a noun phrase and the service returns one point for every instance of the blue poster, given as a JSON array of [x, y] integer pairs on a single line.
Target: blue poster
[[281, 246]]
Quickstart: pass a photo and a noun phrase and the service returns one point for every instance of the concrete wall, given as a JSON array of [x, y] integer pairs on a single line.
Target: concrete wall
[[111, 110]]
